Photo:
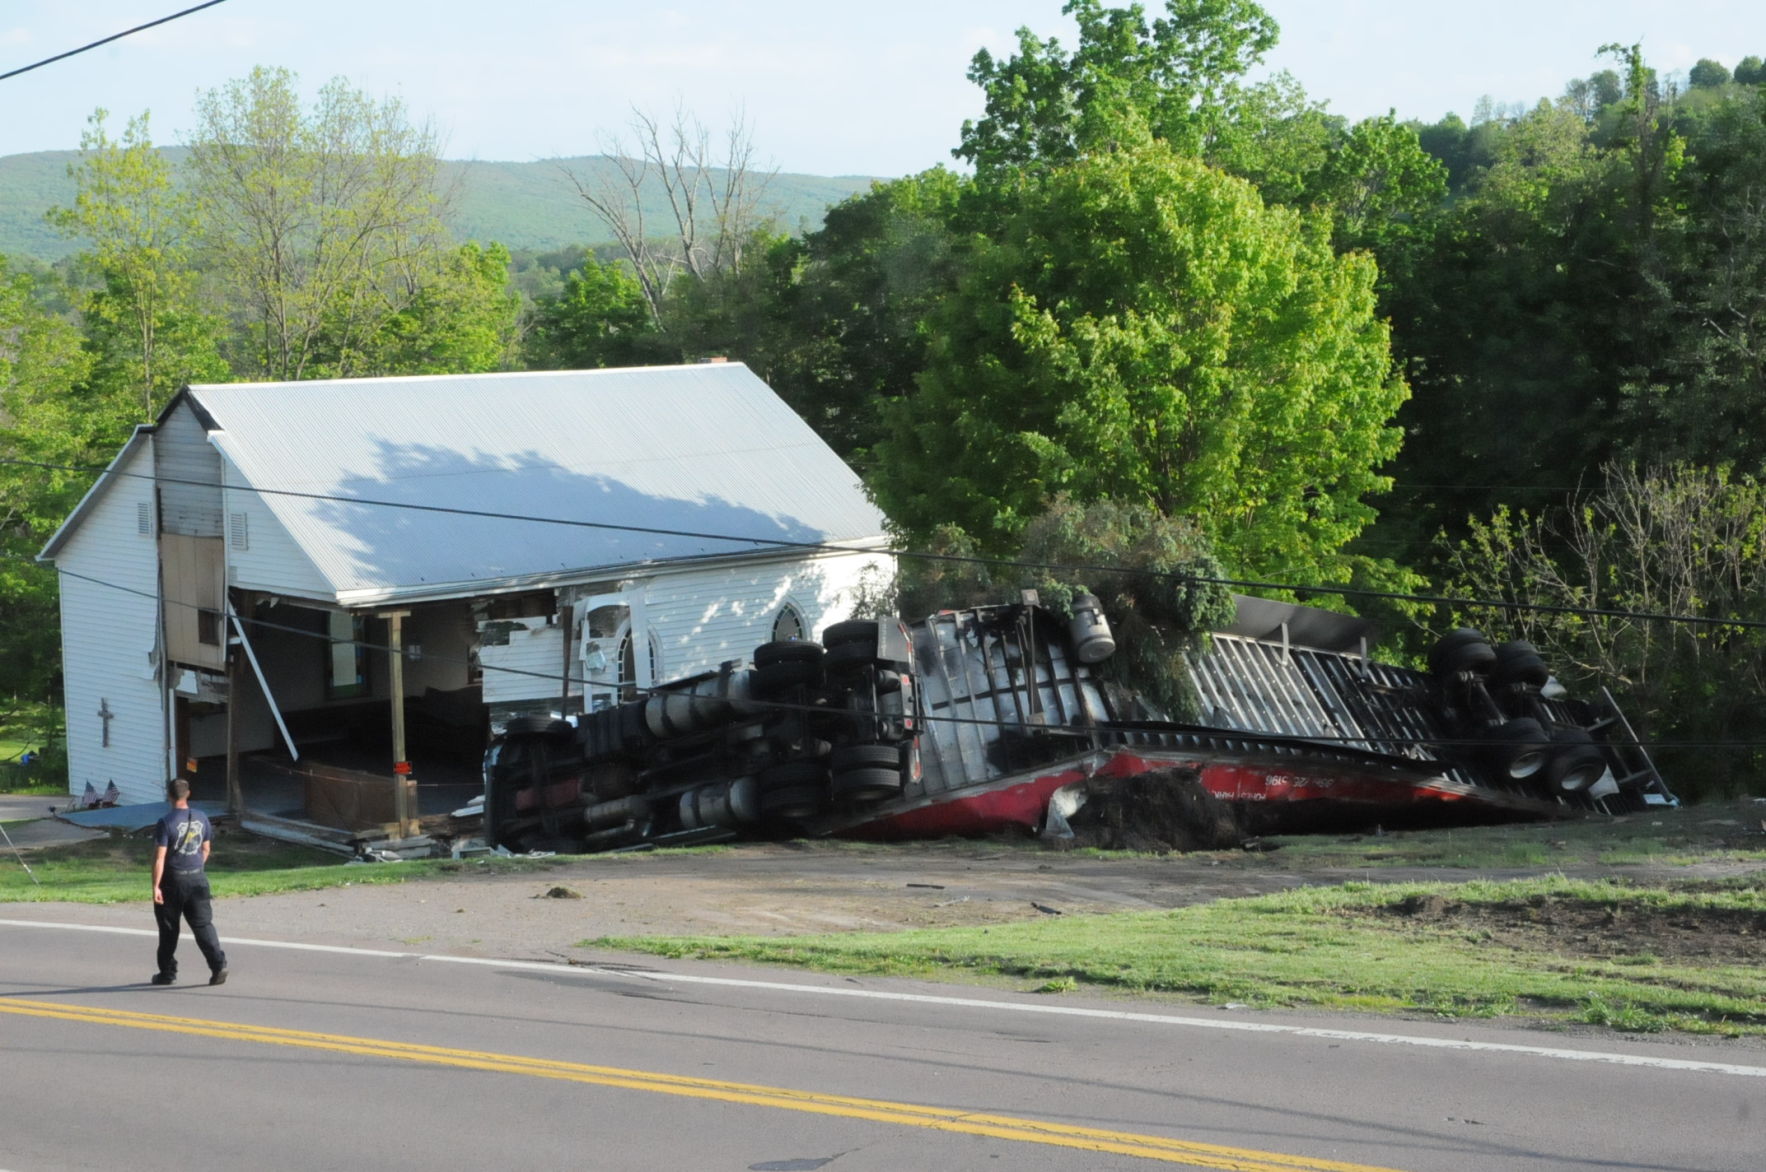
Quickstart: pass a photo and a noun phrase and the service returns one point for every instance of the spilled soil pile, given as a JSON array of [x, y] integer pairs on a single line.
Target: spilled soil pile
[[1160, 812]]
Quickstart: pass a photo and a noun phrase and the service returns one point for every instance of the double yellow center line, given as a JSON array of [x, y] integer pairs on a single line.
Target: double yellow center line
[[1005, 1127]]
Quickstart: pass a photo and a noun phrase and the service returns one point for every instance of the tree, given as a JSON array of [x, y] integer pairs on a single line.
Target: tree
[[1672, 540], [601, 318], [1707, 74], [47, 439], [319, 226], [1142, 328], [1698, 401], [463, 319], [850, 320], [1380, 186], [1750, 70], [142, 320], [1174, 78], [712, 200]]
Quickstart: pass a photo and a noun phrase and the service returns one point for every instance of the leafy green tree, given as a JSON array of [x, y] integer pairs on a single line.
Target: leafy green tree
[[1750, 70], [1142, 328], [47, 438], [1707, 74], [142, 320], [600, 318], [1700, 399], [462, 320], [318, 226], [852, 341], [1174, 78], [1382, 190]]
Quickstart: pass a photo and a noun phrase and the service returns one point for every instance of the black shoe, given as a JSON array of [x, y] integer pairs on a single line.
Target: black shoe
[[218, 977], [164, 978]]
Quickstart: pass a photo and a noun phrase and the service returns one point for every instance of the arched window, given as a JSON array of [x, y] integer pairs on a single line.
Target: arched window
[[628, 664], [788, 625]]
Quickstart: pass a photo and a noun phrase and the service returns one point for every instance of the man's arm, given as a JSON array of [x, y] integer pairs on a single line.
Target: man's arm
[[159, 870]]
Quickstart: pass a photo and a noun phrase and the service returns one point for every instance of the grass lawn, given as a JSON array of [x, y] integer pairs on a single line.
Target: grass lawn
[[1357, 946]]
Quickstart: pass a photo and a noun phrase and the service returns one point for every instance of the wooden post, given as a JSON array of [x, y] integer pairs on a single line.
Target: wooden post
[[404, 797]]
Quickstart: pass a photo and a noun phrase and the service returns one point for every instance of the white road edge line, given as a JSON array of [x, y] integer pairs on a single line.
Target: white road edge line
[[587, 970]]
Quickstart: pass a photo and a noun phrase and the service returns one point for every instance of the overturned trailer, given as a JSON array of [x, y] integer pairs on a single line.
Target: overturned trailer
[[983, 720]]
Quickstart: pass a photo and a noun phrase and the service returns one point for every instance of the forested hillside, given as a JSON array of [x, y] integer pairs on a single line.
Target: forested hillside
[[1159, 320], [523, 206]]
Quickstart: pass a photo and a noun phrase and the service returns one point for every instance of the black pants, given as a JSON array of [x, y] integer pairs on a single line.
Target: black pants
[[186, 897]]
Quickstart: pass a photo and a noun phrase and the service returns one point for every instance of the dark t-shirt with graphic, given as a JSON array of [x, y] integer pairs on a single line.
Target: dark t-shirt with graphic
[[182, 833]]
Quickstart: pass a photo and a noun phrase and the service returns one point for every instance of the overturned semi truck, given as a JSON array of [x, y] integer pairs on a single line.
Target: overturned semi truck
[[977, 721]]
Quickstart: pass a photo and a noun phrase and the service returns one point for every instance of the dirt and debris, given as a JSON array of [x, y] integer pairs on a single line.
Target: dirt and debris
[[1158, 812], [1601, 930]]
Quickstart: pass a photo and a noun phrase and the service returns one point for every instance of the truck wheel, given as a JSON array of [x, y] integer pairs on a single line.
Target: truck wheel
[[1519, 663], [867, 785], [1576, 762], [1520, 751], [861, 633], [844, 657], [787, 651], [849, 757], [1447, 645]]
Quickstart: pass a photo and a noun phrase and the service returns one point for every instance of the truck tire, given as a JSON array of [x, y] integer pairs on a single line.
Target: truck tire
[[1576, 762], [1519, 663], [869, 756], [1519, 751], [1448, 652], [866, 785], [861, 633], [845, 657], [787, 651]]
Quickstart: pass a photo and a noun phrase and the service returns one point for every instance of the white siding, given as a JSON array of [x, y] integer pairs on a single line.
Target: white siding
[[260, 553], [528, 667], [189, 469], [701, 618], [109, 652]]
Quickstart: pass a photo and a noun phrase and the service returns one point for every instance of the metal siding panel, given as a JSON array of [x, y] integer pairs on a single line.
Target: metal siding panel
[[189, 474]]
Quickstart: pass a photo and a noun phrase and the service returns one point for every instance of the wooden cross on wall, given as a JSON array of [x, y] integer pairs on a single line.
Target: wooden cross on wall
[[105, 714]]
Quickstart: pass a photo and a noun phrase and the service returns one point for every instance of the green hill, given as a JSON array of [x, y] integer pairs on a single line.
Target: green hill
[[521, 205]]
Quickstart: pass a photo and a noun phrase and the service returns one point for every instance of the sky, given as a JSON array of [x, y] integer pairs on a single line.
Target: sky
[[828, 87]]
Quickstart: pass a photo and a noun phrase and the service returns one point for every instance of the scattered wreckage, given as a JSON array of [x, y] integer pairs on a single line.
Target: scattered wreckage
[[992, 719]]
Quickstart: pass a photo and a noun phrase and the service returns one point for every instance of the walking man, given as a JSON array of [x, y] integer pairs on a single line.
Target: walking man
[[181, 843]]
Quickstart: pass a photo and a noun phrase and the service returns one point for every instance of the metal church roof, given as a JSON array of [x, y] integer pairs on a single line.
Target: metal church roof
[[707, 453]]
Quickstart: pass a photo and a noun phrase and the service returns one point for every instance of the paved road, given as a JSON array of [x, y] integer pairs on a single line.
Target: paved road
[[319, 1058]]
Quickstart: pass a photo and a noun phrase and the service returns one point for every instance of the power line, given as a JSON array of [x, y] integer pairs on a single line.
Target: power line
[[109, 39], [773, 542]]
